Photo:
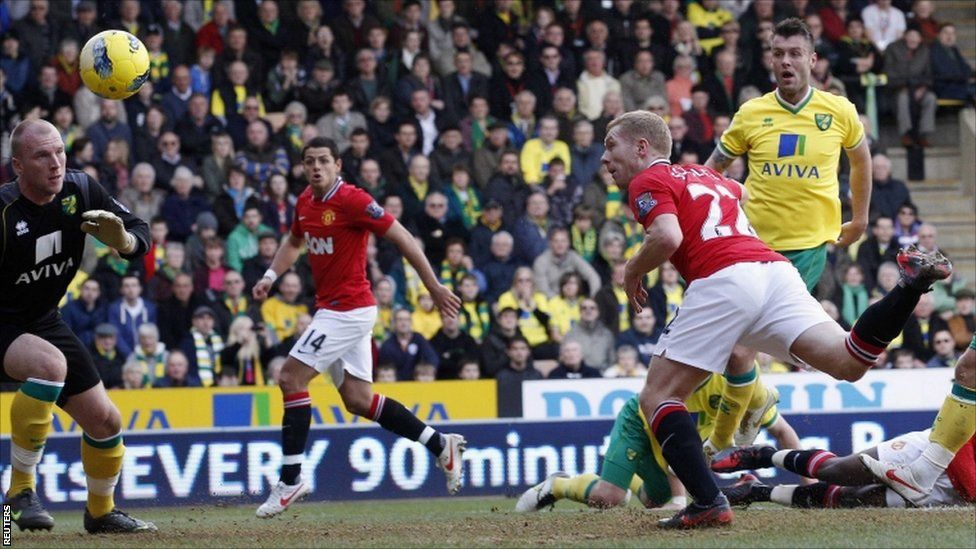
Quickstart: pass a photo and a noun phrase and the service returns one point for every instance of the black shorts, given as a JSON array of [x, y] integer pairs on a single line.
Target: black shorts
[[82, 373]]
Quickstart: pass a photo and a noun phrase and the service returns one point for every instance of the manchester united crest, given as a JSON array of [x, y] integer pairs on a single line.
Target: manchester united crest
[[328, 216]]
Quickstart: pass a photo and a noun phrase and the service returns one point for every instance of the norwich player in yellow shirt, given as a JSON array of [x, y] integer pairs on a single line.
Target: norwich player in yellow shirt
[[793, 137]]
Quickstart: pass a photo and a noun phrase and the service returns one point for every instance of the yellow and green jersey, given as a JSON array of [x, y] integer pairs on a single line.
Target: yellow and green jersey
[[794, 153]]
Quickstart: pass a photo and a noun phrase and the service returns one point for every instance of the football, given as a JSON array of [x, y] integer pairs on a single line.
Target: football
[[114, 64]]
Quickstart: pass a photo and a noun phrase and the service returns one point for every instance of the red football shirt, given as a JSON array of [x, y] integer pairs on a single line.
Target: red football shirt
[[336, 229], [716, 231]]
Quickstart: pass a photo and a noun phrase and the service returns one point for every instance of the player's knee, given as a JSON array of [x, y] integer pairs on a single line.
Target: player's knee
[[50, 366], [605, 496], [965, 372], [290, 382], [356, 403], [103, 421]]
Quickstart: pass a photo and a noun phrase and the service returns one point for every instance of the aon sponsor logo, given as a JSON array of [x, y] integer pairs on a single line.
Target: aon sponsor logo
[[318, 245]]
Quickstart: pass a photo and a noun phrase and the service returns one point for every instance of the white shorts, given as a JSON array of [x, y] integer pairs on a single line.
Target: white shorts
[[339, 341], [906, 449], [764, 306]]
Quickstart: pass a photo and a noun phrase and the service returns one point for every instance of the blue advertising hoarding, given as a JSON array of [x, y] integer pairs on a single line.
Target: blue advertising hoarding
[[367, 462]]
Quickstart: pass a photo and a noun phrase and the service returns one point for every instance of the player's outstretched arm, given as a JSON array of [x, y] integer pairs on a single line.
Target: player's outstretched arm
[[860, 158], [283, 260], [444, 299], [660, 241], [108, 228]]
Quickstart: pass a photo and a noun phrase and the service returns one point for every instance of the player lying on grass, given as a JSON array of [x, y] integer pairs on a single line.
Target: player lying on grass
[[955, 424], [634, 461], [844, 481]]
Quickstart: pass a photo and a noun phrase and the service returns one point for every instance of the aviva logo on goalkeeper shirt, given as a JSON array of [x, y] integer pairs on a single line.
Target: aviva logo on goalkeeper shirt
[[794, 147]]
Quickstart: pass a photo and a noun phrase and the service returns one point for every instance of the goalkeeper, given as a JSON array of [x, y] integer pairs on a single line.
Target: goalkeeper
[[45, 215], [634, 461]]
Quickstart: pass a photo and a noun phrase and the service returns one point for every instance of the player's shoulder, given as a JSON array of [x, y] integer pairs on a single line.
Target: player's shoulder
[[765, 101], [834, 101], [9, 192]]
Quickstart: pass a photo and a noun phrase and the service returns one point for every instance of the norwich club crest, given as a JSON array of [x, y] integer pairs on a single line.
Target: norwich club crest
[[328, 216], [823, 120], [69, 205]]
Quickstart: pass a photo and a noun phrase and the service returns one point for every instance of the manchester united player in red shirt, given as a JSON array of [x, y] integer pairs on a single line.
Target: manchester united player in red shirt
[[333, 220], [739, 291]]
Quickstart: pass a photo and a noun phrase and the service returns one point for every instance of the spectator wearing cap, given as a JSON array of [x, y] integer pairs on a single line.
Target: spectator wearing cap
[[204, 229], [175, 313], [178, 373], [488, 223], [485, 159], [159, 63], [108, 360], [236, 197], [130, 311], [203, 345], [339, 124], [962, 323], [952, 73]]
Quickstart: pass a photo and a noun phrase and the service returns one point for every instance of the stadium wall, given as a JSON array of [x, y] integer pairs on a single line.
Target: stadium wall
[[350, 462]]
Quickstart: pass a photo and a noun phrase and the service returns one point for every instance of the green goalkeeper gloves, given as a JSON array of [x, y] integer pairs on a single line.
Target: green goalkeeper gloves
[[108, 227]]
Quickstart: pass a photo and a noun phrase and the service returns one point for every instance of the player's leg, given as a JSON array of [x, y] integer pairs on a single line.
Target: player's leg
[[102, 453], [953, 427], [822, 495], [669, 383], [740, 377], [849, 356], [42, 368], [295, 424]]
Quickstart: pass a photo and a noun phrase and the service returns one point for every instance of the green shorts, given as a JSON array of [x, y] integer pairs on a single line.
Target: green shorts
[[630, 452], [809, 262], [972, 344]]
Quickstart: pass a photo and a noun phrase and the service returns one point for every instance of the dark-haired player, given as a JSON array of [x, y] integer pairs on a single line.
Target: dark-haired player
[[333, 220], [740, 292], [45, 215], [793, 137]]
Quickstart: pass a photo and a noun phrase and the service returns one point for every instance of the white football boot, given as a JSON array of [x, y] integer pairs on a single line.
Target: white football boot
[[539, 496], [282, 496], [451, 463]]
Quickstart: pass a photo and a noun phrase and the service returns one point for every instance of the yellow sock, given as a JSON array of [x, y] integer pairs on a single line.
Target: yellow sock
[[575, 488], [635, 485], [102, 460], [30, 422], [758, 395], [956, 421], [735, 401]]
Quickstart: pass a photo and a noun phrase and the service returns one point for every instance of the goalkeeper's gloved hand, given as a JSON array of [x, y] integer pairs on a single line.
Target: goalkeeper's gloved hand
[[108, 227]]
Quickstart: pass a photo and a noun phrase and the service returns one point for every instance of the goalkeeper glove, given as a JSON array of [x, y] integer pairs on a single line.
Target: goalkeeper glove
[[108, 227]]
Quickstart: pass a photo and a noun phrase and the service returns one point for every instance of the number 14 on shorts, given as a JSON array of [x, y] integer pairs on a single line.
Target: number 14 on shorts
[[312, 343]]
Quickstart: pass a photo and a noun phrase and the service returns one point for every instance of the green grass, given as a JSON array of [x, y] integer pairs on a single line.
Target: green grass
[[490, 522]]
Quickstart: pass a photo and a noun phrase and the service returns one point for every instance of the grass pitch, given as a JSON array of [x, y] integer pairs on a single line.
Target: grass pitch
[[490, 522]]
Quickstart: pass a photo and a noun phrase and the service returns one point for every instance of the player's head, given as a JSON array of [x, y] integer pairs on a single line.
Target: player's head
[[793, 55], [38, 157], [320, 157], [633, 141]]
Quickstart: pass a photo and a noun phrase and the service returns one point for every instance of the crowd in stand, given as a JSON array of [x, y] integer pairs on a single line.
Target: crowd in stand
[[479, 125]]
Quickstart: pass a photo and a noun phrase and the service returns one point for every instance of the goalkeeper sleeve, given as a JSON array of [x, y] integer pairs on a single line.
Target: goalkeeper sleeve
[[108, 227]]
